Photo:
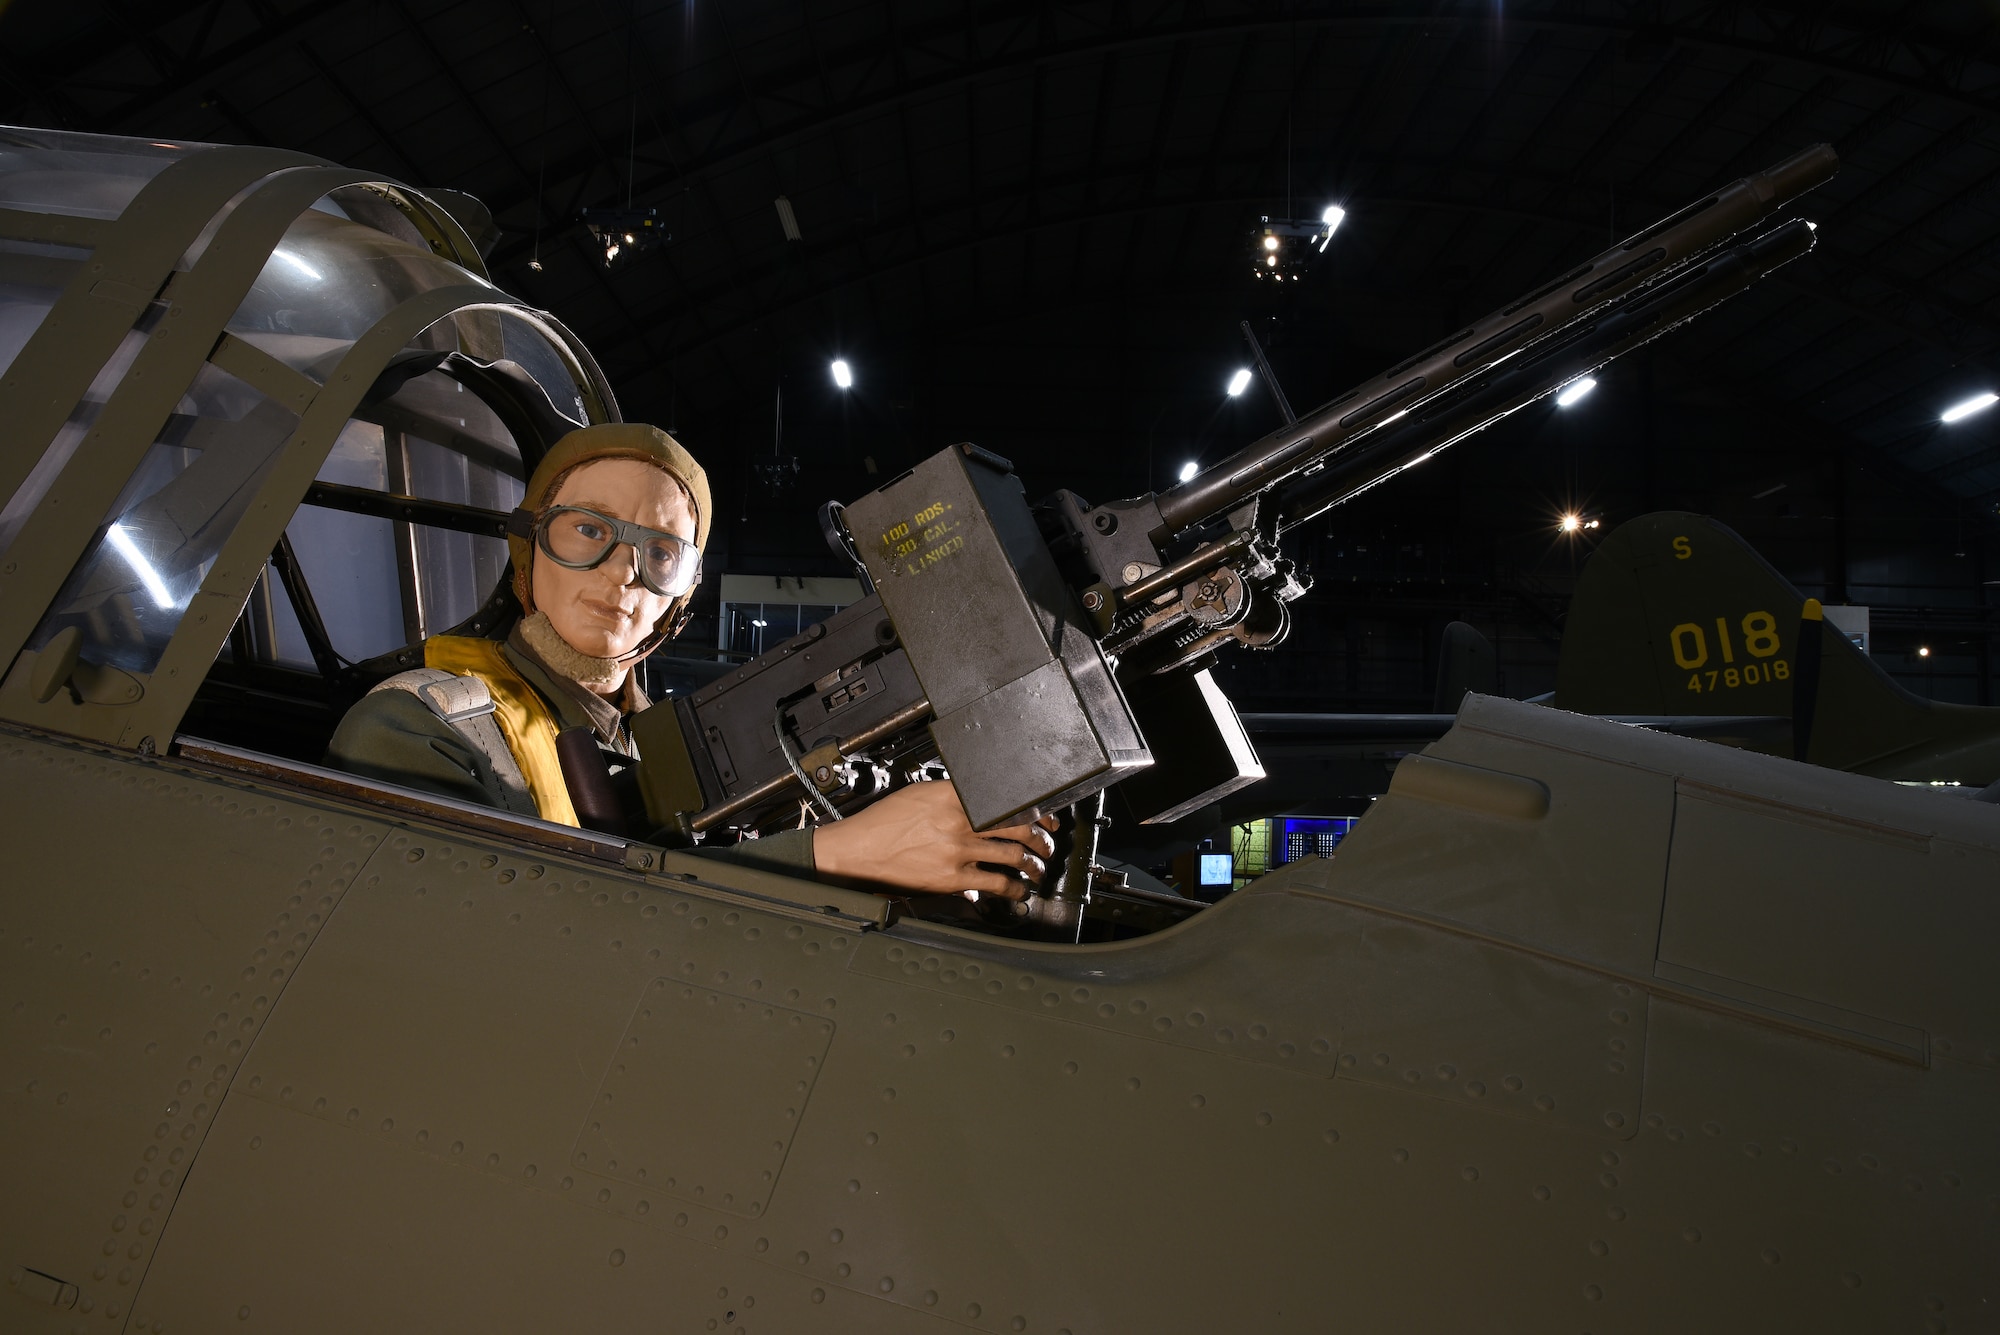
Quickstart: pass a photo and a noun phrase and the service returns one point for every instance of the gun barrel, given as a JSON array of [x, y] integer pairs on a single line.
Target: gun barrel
[[1483, 400], [1576, 295]]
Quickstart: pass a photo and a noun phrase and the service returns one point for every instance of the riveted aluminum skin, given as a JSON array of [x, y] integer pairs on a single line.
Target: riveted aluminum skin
[[1636, 1059]]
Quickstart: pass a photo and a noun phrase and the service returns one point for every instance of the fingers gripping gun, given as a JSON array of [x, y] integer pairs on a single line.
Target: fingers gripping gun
[[1043, 654]]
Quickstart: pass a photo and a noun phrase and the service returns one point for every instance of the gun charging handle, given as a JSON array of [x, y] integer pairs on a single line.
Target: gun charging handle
[[833, 527]]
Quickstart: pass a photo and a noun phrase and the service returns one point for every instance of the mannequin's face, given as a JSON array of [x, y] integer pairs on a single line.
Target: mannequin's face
[[606, 612]]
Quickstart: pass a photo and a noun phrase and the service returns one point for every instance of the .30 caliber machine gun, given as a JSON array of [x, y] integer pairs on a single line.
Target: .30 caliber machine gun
[[1041, 654]]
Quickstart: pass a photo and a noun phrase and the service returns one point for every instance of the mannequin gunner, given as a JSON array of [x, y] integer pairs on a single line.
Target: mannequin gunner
[[607, 550]]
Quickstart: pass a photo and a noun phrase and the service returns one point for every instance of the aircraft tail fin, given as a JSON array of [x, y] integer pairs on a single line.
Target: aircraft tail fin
[[1466, 664], [1675, 614]]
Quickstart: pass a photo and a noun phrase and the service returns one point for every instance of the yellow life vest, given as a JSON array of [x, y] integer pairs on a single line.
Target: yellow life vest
[[525, 718]]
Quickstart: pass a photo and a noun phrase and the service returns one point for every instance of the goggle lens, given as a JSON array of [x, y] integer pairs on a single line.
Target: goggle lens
[[583, 539]]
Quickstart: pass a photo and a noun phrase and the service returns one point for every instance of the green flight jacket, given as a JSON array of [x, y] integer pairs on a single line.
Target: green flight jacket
[[393, 737]]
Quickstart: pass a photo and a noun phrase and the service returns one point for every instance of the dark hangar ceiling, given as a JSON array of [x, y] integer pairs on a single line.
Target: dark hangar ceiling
[[1027, 226]]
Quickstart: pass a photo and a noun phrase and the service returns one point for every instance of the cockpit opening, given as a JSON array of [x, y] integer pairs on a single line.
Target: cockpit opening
[[268, 419]]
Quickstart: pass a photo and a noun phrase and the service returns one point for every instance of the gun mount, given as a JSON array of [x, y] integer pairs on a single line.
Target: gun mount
[[1044, 654]]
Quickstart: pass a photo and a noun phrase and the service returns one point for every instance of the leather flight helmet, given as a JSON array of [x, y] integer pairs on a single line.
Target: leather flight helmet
[[612, 440]]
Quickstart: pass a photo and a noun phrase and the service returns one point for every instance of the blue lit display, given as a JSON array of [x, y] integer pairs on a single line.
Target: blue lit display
[[1309, 836]]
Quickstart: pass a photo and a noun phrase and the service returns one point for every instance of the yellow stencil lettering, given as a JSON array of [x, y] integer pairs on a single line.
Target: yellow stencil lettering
[[1690, 646], [1760, 634]]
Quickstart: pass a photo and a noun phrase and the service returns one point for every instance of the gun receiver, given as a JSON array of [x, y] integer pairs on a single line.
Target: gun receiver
[[1058, 650]]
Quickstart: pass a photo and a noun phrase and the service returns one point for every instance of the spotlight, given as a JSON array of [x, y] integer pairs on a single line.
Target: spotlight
[[625, 231], [1239, 382], [1188, 470], [1332, 218], [1979, 403], [1288, 245], [1575, 390], [1923, 651], [1571, 523], [843, 374]]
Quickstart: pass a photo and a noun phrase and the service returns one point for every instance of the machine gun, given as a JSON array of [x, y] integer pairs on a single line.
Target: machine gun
[[1043, 654]]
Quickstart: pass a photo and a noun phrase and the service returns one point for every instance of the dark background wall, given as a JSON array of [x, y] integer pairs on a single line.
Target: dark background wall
[[1026, 226]]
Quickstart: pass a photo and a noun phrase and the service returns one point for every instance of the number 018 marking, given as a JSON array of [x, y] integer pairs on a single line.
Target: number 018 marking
[[1689, 643]]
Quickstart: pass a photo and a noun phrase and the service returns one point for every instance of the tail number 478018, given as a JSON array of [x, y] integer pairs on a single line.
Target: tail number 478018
[[1689, 642]]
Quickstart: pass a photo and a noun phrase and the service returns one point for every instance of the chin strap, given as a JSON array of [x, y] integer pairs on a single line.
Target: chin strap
[[671, 624]]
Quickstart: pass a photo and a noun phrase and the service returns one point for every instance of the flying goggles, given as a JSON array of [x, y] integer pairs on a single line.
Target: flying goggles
[[583, 539]]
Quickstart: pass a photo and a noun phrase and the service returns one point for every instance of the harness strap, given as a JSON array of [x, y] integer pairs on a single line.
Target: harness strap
[[528, 723], [523, 721], [467, 705]]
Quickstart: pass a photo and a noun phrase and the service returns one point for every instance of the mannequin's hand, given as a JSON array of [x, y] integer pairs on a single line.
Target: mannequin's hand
[[917, 838]]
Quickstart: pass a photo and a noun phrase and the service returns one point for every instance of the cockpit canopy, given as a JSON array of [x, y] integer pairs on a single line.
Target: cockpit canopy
[[264, 416]]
